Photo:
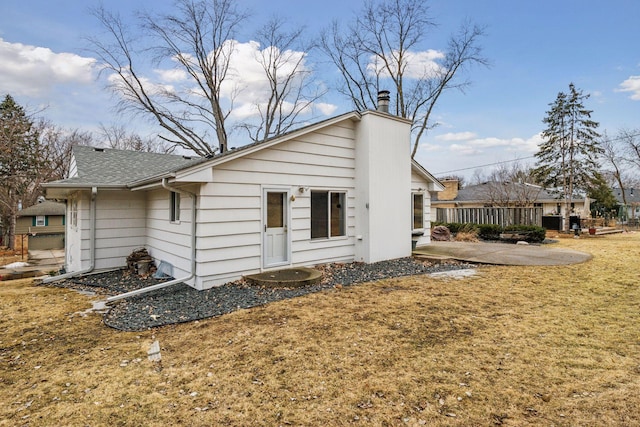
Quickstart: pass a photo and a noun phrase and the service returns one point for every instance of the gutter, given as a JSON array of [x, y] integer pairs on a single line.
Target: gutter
[[193, 197], [92, 244]]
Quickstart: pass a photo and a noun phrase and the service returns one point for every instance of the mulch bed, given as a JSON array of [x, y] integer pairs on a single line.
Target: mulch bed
[[182, 303]]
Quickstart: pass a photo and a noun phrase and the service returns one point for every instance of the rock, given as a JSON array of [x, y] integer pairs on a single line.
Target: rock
[[440, 233], [521, 242]]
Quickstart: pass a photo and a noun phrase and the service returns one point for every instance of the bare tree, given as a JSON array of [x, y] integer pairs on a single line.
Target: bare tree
[[199, 39], [621, 155], [614, 159], [118, 137], [291, 88], [385, 45], [511, 185], [630, 141], [56, 145]]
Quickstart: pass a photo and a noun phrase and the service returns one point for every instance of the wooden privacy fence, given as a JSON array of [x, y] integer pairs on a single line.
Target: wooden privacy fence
[[497, 216]]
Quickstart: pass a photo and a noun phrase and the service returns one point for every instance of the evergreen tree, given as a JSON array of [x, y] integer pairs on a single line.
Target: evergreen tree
[[20, 161], [567, 158], [600, 190]]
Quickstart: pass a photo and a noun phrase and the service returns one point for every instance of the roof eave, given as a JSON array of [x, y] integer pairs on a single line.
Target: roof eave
[[418, 168]]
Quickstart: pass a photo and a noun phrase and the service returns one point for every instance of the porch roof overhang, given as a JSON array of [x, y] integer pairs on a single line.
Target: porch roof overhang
[[62, 191]]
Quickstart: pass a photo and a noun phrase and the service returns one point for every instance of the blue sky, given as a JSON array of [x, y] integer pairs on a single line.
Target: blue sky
[[536, 48]]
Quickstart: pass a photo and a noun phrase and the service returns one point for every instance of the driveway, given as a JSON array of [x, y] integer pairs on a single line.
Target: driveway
[[40, 262], [504, 253]]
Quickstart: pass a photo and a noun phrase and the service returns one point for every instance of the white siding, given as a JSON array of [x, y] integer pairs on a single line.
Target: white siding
[[73, 237], [420, 185], [383, 183], [377, 183], [230, 217], [120, 227], [165, 240]]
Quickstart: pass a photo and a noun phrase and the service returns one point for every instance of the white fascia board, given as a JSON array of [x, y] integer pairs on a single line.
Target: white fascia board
[[434, 184], [197, 175]]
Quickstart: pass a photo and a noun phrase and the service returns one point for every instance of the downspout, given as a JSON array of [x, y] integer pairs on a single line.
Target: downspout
[[193, 197], [92, 244]]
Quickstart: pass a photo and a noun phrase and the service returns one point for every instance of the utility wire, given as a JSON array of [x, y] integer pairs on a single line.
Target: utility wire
[[481, 166], [633, 135]]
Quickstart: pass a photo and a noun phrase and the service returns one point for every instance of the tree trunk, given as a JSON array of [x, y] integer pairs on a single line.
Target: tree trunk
[[12, 230]]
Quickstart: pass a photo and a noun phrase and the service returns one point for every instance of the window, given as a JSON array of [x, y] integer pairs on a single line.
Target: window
[[174, 207], [327, 214], [418, 211], [41, 221], [73, 214]]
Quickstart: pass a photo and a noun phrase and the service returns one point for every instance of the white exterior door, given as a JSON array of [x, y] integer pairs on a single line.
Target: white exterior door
[[276, 229]]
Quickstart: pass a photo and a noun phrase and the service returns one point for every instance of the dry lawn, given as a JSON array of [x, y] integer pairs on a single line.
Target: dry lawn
[[513, 346], [8, 257]]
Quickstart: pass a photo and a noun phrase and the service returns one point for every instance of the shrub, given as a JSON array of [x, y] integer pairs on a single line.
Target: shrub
[[530, 233], [533, 233], [489, 231], [457, 227]]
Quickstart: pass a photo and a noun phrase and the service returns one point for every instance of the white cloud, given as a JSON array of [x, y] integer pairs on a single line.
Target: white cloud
[[418, 64], [466, 143], [151, 87], [245, 83], [464, 149], [33, 71], [457, 136], [326, 109], [171, 76], [453, 153], [632, 84]]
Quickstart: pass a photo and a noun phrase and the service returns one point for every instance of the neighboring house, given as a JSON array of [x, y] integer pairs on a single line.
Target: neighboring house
[[43, 225], [632, 208], [503, 195], [341, 190]]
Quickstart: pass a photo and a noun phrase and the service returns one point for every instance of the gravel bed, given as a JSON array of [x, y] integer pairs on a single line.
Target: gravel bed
[[181, 303]]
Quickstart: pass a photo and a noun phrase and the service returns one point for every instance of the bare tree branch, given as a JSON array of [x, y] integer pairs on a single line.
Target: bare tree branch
[[291, 88], [385, 45], [199, 40]]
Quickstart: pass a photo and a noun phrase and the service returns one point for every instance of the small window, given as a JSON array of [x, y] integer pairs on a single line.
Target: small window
[[418, 211], [73, 214], [327, 214], [174, 207], [41, 221]]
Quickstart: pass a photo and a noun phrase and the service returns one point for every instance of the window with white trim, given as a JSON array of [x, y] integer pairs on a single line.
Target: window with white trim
[[174, 207], [418, 211], [41, 221], [73, 214], [328, 218]]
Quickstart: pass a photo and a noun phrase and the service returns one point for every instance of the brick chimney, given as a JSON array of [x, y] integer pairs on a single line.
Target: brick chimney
[[450, 189]]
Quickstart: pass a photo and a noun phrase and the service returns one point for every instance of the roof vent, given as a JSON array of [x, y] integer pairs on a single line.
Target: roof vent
[[186, 157], [99, 150], [383, 101]]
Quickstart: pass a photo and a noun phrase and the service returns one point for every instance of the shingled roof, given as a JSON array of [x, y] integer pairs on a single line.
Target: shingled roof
[[632, 195], [479, 193], [44, 208], [116, 168]]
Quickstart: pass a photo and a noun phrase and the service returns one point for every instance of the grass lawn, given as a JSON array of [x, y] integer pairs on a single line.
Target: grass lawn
[[511, 346]]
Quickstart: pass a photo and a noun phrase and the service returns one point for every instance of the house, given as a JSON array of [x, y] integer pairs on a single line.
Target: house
[[511, 195], [341, 190], [630, 211], [42, 224]]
